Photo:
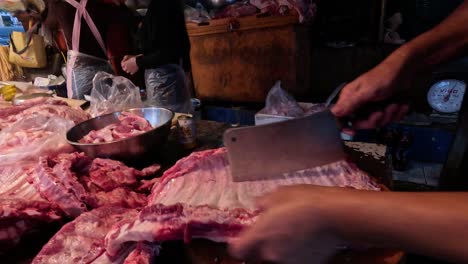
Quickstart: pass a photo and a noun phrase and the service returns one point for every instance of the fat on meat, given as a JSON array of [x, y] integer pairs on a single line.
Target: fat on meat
[[198, 198], [144, 253], [28, 131], [16, 109], [77, 183], [129, 125], [32, 137], [158, 223], [204, 178], [82, 240], [22, 210], [49, 108], [22, 216], [14, 183]]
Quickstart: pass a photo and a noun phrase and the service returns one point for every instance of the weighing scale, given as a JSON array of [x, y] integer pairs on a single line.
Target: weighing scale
[[445, 98]]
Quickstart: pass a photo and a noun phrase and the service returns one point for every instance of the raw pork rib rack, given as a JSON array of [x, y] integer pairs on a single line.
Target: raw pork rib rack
[[28, 131], [77, 183], [82, 241], [197, 198], [41, 106]]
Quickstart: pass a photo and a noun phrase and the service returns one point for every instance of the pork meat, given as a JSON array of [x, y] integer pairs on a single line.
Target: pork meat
[[198, 198], [129, 125], [82, 240], [77, 183]]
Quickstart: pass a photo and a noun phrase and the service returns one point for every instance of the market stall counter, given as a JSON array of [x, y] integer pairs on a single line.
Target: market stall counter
[[202, 251]]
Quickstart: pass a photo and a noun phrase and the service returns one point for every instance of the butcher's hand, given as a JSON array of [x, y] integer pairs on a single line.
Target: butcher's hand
[[129, 64], [377, 85], [290, 230]]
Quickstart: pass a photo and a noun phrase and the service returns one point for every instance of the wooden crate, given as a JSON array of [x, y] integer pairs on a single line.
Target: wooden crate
[[239, 60]]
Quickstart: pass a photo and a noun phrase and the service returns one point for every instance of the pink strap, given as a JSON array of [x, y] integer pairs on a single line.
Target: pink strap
[[70, 65], [82, 12]]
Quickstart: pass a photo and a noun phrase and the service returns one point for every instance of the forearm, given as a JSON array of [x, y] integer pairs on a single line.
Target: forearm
[[434, 224], [447, 40]]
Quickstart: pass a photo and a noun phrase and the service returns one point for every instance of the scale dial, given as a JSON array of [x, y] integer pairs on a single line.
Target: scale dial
[[446, 96]]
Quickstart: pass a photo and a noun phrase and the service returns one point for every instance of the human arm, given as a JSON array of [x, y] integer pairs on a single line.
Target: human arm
[[156, 59], [301, 224], [447, 40]]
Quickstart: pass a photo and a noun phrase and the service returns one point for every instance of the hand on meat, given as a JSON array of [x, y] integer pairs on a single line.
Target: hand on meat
[[292, 229], [129, 64]]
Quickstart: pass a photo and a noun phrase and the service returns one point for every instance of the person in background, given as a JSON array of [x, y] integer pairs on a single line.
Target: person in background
[[113, 20], [86, 57], [307, 224], [163, 38], [165, 58]]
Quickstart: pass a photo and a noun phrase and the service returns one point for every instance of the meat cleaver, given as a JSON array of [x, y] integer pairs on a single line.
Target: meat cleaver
[[268, 151]]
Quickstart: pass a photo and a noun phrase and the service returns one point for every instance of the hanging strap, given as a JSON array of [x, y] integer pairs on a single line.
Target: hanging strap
[[29, 35], [81, 12]]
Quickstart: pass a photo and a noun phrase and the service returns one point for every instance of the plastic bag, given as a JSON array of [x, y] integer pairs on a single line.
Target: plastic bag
[[113, 93], [196, 15], [83, 72], [279, 102], [239, 9], [165, 87], [32, 137], [306, 9]]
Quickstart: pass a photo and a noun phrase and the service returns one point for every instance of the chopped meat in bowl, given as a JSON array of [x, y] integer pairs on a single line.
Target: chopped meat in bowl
[[129, 125]]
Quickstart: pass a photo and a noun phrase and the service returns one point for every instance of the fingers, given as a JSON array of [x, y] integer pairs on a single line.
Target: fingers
[[404, 109], [127, 66], [373, 121], [346, 104], [391, 113], [247, 246]]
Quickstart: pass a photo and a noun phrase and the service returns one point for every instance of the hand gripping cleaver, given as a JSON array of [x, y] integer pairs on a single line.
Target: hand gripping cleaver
[[269, 151]]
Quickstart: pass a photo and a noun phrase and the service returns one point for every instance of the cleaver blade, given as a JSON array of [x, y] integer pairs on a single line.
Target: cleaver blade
[[269, 151]]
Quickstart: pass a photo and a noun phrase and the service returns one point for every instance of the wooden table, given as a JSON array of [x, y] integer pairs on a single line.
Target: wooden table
[[206, 252]]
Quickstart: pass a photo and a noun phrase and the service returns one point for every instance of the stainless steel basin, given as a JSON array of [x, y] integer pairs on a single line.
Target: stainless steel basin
[[129, 148]]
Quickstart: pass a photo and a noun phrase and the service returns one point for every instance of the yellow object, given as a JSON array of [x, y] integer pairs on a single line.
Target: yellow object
[[8, 92], [27, 49], [8, 71]]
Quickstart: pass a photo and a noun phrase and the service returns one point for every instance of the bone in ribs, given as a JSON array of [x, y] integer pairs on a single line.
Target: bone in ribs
[[77, 183], [34, 128], [197, 198], [20, 216], [22, 210], [82, 240]]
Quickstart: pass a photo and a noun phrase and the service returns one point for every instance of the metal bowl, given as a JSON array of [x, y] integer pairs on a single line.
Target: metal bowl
[[129, 148], [218, 3]]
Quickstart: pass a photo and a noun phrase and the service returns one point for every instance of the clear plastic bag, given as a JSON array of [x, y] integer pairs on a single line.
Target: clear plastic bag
[[83, 71], [32, 137], [113, 93], [166, 87], [196, 15], [279, 102]]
